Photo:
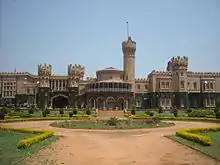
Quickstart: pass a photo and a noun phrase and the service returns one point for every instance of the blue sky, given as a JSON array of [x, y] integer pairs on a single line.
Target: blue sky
[[60, 32]]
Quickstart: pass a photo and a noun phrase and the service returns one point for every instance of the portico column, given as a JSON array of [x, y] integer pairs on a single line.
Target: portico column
[[94, 103]]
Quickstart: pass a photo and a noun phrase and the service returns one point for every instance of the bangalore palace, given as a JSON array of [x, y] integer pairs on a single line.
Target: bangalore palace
[[112, 88]]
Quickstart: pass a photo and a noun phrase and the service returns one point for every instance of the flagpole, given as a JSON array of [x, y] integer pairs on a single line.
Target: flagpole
[[127, 29]]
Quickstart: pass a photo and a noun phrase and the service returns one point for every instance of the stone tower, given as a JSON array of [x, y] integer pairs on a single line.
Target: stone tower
[[179, 66], [44, 73], [75, 74], [129, 49]]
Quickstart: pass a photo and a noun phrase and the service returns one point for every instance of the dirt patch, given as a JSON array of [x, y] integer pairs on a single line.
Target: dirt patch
[[121, 147]]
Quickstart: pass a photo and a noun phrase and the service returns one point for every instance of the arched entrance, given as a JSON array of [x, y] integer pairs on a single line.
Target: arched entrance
[[92, 103], [121, 103], [60, 101], [100, 103], [110, 101]]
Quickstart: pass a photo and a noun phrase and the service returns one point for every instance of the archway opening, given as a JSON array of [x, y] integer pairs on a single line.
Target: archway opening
[[100, 103], [120, 103], [60, 102], [110, 103]]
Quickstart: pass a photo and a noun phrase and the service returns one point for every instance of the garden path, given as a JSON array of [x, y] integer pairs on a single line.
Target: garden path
[[116, 147]]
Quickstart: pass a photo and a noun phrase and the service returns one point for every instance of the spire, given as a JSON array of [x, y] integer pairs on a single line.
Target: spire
[[128, 35]]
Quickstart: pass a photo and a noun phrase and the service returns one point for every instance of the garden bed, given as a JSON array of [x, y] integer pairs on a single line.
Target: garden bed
[[10, 154], [212, 150], [109, 124]]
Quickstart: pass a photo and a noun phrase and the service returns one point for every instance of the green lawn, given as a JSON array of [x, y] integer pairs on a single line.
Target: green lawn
[[166, 113], [10, 155], [213, 150], [86, 124]]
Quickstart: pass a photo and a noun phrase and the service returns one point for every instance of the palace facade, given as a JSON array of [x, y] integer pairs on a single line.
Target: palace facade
[[113, 88]]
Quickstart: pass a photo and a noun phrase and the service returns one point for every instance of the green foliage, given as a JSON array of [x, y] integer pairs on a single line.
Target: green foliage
[[25, 114], [113, 121], [217, 104], [160, 110], [150, 113], [217, 115], [44, 113], [17, 110], [61, 111], [31, 110], [201, 113], [75, 111], [133, 111], [189, 110], [70, 114], [88, 112], [2, 114]]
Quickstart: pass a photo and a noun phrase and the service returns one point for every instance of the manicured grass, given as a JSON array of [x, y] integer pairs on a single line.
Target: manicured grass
[[181, 113], [101, 124], [10, 154], [213, 150]]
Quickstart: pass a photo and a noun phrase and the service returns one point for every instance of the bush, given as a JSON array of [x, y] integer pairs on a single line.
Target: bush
[[88, 112], [70, 114], [47, 111], [61, 111], [17, 110], [150, 113], [113, 121], [74, 111], [160, 110], [31, 111], [133, 112], [2, 115], [175, 112], [44, 113], [201, 113], [217, 115], [25, 114], [189, 110]]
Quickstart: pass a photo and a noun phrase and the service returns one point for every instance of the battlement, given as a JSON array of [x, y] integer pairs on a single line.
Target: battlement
[[204, 74], [76, 71], [44, 70], [178, 61], [16, 74], [141, 79]]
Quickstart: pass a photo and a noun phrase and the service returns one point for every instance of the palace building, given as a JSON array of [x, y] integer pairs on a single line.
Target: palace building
[[113, 88]]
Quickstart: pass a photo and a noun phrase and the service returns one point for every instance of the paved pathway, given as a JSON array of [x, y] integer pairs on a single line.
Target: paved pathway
[[117, 147]]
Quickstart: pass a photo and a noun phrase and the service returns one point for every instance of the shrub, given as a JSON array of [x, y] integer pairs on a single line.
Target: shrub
[[47, 111], [2, 115], [88, 112], [160, 110], [113, 121], [70, 114], [44, 113], [17, 110], [217, 115], [201, 113], [61, 111], [133, 111], [74, 111], [189, 110], [31, 111], [25, 114], [175, 112], [150, 113]]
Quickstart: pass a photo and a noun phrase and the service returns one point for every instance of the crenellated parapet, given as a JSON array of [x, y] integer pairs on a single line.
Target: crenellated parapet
[[44, 73], [178, 62], [204, 74], [141, 80], [129, 47], [161, 73], [75, 74], [44, 70]]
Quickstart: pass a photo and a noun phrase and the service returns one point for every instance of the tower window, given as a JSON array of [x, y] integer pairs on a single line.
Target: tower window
[[110, 77], [181, 73], [182, 84], [138, 86], [194, 85], [126, 77], [145, 86]]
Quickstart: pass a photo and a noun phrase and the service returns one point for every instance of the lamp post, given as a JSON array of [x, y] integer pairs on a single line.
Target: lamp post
[[35, 94], [208, 101]]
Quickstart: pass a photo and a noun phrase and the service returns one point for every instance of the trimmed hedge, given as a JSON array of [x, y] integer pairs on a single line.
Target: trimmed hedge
[[25, 143], [191, 134], [78, 117]]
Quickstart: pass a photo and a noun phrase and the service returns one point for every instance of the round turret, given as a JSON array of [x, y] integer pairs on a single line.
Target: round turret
[[129, 47]]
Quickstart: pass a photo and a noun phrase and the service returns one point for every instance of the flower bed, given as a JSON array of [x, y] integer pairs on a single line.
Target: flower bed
[[77, 117], [25, 143], [192, 134]]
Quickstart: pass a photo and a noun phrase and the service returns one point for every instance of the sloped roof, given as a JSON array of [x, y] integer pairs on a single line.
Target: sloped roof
[[109, 69]]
